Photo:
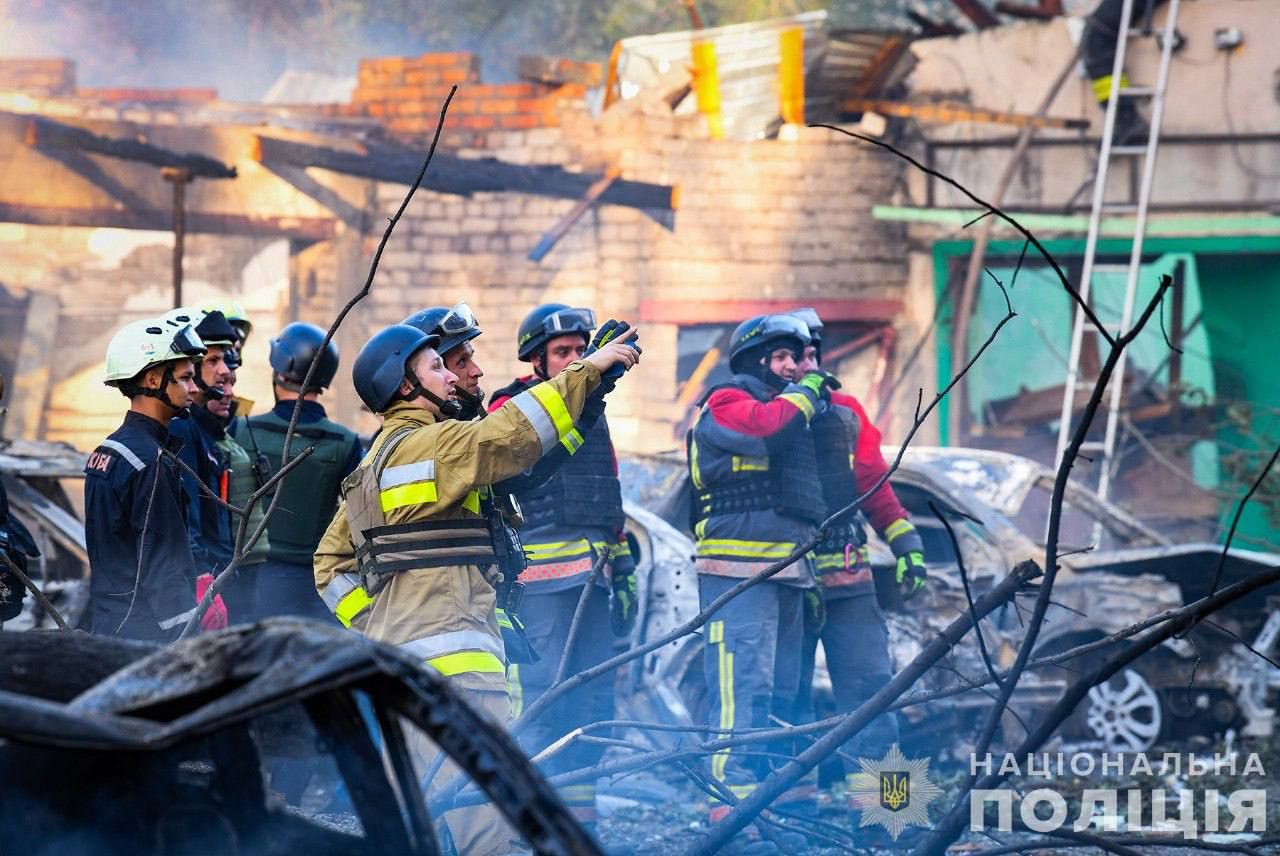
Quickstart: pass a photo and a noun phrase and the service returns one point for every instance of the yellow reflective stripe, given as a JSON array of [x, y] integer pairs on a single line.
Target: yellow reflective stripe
[[715, 633], [756, 549], [742, 464], [572, 441], [1102, 86], [408, 494], [552, 402], [801, 401], [700, 529], [724, 665], [694, 472], [472, 502], [897, 529], [356, 602], [467, 661], [515, 689], [577, 793], [556, 549], [503, 620]]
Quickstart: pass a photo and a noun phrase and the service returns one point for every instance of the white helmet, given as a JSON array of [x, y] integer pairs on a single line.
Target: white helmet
[[139, 345]]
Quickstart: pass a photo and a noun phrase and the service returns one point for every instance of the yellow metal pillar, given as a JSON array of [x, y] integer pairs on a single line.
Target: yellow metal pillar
[[706, 84], [791, 75]]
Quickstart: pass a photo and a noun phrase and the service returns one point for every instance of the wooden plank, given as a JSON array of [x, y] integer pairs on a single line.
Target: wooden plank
[[35, 507], [46, 133], [982, 17], [733, 311], [880, 66], [465, 176], [33, 367], [544, 69], [1044, 10], [161, 220], [560, 229], [945, 112]]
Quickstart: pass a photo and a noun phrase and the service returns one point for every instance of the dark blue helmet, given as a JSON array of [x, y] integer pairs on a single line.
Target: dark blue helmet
[[380, 365], [454, 326], [549, 321], [292, 352], [756, 337]]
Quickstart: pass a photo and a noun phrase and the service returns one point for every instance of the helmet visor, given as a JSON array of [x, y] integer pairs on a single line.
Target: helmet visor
[[570, 321], [809, 317], [187, 343], [460, 320]]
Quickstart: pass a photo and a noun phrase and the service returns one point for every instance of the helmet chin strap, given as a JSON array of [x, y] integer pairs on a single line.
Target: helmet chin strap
[[771, 379], [539, 363], [163, 394], [449, 409], [470, 405]]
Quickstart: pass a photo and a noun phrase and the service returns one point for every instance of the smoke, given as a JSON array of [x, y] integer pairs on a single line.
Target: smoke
[[240, 47]]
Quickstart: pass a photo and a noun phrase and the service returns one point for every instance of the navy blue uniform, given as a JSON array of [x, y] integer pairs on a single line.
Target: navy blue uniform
[[142, 573], [208, 523]]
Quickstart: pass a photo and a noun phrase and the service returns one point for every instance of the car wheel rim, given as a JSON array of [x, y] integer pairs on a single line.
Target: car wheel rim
[[1124, 715]]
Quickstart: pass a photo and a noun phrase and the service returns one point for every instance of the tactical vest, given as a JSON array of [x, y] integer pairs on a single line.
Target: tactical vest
[[242, 484], [787, 482], [584, 492], [835, 437], [310, 493], [382, 549]]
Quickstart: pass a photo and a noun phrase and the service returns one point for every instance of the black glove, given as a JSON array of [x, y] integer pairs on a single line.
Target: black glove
[[609, 331]]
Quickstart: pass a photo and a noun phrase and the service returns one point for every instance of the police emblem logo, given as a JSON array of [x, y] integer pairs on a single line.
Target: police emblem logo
[[894, 791]]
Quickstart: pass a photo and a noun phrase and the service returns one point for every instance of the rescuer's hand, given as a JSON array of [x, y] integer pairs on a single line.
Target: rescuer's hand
[[216, 616], [619, 351], [911, 574], [622, 604], [820, 383], [815, 611]]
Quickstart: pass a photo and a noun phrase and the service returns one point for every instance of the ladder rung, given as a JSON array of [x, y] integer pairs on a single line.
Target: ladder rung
[[1139, 33], [1130, 151], [1110, 268], [1138, 91], [1093, 446], [1119, 208], [1088, 326]]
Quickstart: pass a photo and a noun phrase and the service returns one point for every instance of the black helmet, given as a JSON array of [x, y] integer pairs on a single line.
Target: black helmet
[[454, 326], [549, 321], [380, 365], [757, 336], [292, 352], [809, 317], [215, 329]]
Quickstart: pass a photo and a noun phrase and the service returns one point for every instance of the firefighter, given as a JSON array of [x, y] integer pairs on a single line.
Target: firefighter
[[17, 545], [753, 467], [1098, 49], [285, 584], [573, 519], [209, 523], [410, 521], [853, 633], [144, 582], [234, 313], [242, 481]]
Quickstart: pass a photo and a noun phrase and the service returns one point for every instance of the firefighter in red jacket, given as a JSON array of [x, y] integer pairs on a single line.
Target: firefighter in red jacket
[[753, 467], [853, 634]]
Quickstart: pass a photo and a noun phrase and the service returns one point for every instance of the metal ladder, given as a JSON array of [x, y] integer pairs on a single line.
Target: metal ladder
[[1102, 451]]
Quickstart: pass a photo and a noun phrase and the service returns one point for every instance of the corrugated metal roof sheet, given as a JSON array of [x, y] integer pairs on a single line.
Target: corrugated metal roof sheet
[[747, 58], [310, 87]]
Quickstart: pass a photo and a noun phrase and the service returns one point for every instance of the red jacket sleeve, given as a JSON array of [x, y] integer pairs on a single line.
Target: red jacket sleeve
[[882, 507], [738, 411]]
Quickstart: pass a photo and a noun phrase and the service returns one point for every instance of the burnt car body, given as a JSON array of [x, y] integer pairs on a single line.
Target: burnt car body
[[1114, 571], [116, 747]]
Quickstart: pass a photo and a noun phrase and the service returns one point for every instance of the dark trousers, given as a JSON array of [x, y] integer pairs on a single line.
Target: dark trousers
[[1102, 29], [856, 644], [547, 618], [752, 664], [282, 588]]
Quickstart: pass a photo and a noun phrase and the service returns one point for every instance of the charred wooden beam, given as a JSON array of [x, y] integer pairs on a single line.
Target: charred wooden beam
[[46, 133], [929, 28], [464, 176], [161, 220], [982, 17], [560, 229], [542, 69], [946, 113], [1041, 11]]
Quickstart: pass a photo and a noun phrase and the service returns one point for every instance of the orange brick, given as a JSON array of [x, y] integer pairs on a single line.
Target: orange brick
[[421, 76], [515, 90], [520, 122], [455, 75], [445, 58], [500, 105], [531, 105], [384, 64], [477, 123]]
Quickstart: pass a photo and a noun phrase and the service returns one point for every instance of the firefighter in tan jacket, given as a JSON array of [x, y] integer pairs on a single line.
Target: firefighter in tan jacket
[[410, 525]]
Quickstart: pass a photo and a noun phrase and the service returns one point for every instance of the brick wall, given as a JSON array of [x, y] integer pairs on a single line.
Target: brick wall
[[405, 94], [787, 221], [38, 76]]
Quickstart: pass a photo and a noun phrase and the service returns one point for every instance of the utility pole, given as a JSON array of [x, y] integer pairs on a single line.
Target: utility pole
[[179, 178]]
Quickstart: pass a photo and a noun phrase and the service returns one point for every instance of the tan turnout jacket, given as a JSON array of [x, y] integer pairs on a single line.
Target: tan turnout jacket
[[445, 615]]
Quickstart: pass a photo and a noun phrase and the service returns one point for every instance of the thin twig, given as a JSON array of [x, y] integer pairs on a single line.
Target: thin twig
[[578, 611], [968, 594], [204, 488], [243, 547], [1235, 520], [142, 541], [35, 592]]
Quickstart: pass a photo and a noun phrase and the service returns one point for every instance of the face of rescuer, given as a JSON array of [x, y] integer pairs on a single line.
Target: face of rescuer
[[435, 378], [562, 350], [808, 362], [782, 362], [462, 362]]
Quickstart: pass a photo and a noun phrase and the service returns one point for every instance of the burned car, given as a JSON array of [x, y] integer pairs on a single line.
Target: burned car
[[1115, 571], [109, 746]]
